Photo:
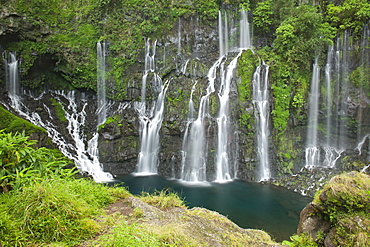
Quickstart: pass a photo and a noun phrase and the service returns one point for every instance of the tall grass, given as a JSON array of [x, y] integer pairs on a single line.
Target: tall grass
[[58, 210]]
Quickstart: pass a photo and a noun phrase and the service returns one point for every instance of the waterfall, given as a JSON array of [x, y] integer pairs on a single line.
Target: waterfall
[[179, 38], [195, 145], [101, 80], [150, 117], [328, 78], [312, 150], [262, 115], [12, 78], [85, 159], [365, 67], [195, 142], [343, 73], [223, 122], [223, 33], [193, 163], [245, 37], [332, 154]]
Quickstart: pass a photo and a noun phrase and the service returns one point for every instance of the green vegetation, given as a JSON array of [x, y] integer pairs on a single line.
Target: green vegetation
[[338, 215], [69, 31], [163, 199], [300, 241], [350, 14], [12, 123], [247, 64], [47, 205], [52, 210], [21, 163], [58, 108]]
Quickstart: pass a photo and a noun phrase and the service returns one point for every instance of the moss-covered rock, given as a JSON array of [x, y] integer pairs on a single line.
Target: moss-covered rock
[[11, 123], [339, 214]]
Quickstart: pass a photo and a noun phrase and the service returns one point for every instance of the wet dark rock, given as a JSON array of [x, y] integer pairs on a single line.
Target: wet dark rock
[[312, 222]]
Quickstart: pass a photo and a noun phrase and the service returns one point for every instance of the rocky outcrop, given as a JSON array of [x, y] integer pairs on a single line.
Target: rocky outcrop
[[181, 226], [339, 214]]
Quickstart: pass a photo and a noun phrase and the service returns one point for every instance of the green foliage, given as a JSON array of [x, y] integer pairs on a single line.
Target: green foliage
[[263, 15], [52, 210], [246, 65], [349, 14], [207, 8], [280, 113], [21, 164], [303, 36], [360, 77], [300, 241]]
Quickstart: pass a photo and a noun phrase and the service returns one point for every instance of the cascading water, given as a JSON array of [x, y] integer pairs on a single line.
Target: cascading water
[[332, 154], [86, 160], [12, 78], [337, 98], [195, 153], [223, 123], [343, 75], [151, 118], [193, 158], [76, 119], [262, 115], [195, 145], [222, 40], [245, 36], [75, 151], [312, 150], [101, 81], [364, 68]]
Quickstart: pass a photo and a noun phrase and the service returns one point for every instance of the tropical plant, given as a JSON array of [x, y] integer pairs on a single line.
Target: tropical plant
[[21, 163]]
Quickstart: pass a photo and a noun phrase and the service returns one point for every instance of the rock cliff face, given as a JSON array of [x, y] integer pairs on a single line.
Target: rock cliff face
[[183, 57]]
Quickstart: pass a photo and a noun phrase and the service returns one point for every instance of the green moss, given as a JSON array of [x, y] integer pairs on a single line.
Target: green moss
[[114, 119], [345, 203], [347, 193], [12, 123], [59, 111]]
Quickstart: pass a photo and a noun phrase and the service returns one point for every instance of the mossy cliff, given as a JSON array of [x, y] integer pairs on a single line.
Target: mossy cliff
[[56, 44]]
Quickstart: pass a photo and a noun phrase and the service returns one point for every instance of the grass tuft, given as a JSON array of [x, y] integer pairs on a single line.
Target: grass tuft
[[163, 199], [52, 211]]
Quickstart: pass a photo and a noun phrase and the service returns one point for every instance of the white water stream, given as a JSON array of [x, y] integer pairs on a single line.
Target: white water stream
[[262, 115], [150, 115], [101, 81]]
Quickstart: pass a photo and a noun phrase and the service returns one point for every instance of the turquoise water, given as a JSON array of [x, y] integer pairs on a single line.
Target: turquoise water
[[250, 205]]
